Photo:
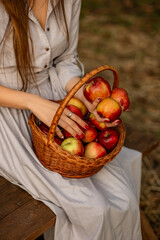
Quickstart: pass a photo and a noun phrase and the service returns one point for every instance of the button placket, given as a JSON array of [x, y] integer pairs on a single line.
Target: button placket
[[47, 49]]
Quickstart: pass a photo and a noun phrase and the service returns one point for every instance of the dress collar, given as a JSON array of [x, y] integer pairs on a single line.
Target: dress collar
[[50, 9]]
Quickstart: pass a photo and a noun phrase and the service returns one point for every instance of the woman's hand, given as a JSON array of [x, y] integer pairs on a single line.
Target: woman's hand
[[92, 108], [45, 110]]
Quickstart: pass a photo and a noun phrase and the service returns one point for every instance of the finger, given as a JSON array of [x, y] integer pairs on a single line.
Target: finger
[[71, 127], [113, 124], [100, 119], [59, 133], [128, 110], [122, 104], [77, 119], [95, 103]]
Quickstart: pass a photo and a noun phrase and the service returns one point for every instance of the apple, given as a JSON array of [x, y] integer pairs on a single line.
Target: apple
[[94, 150], [121, 96], [89, 135], [108, 138], [73, 145], [44, 128], [75, 110], [76, 102], [96, 87], [109, 108], [58, 140], [37, 121], [99, 125], [66, 134]]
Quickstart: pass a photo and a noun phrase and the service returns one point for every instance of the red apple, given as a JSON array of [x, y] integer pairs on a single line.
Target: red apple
[[73, 145], [66, 134], [58, 140], [89, 135], [96, 87], [121, 96], [75, 110], [108, 138], [76, 102], [99, 125], [109, 108], [94, 150], [44, 128]]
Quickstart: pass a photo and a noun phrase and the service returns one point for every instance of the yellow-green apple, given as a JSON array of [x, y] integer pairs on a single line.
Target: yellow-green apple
[[73, 145], [75, 110], [108, 138], [109, 108], [89, 134], [121, 96], [94, 150], [99, 125], [96, 87], [78, 103]]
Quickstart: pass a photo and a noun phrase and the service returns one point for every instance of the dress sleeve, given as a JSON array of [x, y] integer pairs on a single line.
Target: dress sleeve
[[68, 64], [4, 20]]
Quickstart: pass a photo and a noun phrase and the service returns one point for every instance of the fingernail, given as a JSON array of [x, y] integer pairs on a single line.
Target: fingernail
[[107, 120], [117, 122], [87, 127], [62, 137], [99, 98], [78, 137], [82, 135], [121, 102]]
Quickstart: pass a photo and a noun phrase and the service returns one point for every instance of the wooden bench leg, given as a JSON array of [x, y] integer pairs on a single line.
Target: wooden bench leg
[[147, 231]]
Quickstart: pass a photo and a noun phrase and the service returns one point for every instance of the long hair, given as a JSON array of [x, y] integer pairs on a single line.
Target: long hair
[[19, 25]]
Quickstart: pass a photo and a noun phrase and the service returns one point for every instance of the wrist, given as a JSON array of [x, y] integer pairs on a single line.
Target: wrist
[[79, 94], [30, 100]]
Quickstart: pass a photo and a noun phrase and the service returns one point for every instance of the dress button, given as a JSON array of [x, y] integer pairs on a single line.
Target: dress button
[[47, 49], [45, 66], [48, 29]]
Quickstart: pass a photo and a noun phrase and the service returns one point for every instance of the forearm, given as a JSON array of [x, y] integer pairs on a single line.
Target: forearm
[[15, 99], [71, 83]]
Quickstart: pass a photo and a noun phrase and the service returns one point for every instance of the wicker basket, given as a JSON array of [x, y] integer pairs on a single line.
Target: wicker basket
[[54, 157]]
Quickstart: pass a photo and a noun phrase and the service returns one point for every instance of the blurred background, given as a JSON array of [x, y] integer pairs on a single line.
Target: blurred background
[[126, 35]]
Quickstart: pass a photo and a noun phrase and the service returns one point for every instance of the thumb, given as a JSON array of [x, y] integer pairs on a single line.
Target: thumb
[[96, 101]]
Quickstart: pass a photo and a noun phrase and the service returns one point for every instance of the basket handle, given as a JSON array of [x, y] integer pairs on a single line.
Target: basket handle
[[73, 91]]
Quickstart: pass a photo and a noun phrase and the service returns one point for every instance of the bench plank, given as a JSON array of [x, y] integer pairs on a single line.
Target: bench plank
[[27, 222], [13, 196]]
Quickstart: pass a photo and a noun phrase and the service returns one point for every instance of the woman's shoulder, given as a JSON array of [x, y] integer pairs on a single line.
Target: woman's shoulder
[[4, 19]]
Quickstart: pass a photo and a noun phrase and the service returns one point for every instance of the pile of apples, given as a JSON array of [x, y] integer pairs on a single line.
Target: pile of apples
[[99, 140]]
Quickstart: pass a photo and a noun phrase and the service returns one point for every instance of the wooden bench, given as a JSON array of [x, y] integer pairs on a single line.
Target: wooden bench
[[24, 218]]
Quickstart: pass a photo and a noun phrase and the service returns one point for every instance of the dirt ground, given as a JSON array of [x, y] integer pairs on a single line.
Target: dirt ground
[[126, 35]]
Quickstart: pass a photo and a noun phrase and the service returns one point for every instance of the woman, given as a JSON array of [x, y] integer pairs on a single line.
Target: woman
[[39, 61]]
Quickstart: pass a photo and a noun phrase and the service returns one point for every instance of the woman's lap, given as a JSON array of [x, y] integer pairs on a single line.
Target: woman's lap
[[108, 200]]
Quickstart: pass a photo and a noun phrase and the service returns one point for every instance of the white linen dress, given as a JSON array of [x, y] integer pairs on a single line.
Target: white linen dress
[[101, 207]]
